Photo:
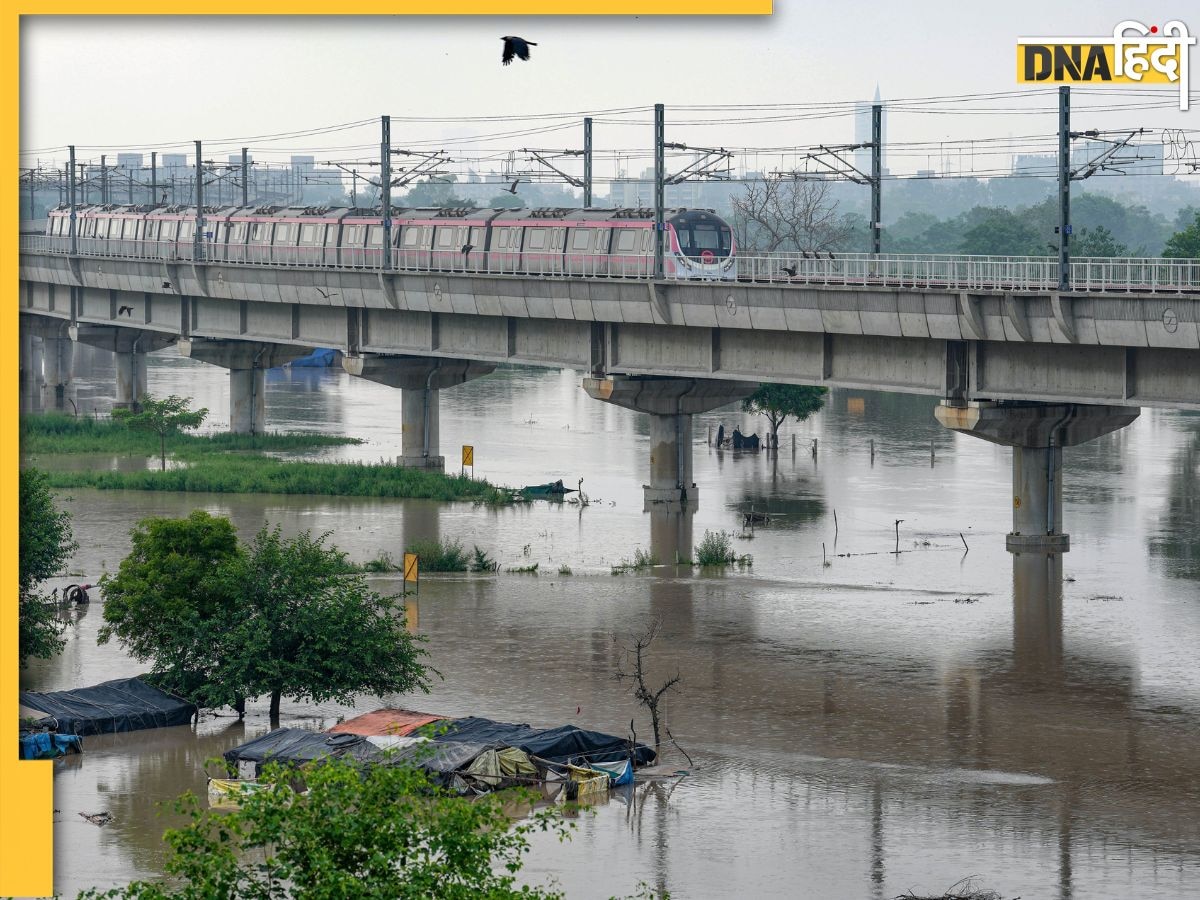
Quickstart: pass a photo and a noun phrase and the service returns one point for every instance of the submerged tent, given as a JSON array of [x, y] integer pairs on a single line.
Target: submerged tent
[[295, 746], [386, 721], [48, 745], [565, 744], [126, 704]]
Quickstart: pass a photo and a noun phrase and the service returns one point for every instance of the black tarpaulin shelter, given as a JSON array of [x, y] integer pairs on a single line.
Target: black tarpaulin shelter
[[126, 704], [565, 744], [295, 746]]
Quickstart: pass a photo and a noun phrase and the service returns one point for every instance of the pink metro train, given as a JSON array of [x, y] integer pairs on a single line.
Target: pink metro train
[[612, 242]]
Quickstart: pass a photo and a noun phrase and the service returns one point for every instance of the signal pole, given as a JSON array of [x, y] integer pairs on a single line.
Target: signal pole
[[198, 236], [245, 178], [1064, 187], [659, 179], [587, 162], [154, 178], [385, 188], [71, 200], [876, 176]]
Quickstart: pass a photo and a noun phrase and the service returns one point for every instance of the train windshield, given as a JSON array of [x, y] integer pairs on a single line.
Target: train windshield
[[705, 238]]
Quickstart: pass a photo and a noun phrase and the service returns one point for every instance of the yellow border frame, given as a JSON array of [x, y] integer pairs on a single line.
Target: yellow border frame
[[26, 788]]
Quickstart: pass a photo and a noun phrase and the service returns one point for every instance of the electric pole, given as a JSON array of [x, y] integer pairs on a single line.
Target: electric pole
[[198, 237], [385, 189], [876, 176], [1064, 187], [154, 177], [587, 162], [660, 166], [71, 200], [245, 178], [103, 181]]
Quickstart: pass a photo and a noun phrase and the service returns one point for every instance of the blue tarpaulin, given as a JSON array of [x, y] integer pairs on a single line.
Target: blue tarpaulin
[[48, 745]]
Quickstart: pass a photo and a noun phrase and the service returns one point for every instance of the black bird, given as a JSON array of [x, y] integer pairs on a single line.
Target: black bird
[[164, 200], [512, 189], [791, 270], [166, 285], [325, 295], [515, 46], [467, 248], [831, 256], [125, 311]]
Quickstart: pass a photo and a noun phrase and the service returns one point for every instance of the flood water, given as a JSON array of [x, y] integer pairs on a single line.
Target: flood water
[[883, 723]]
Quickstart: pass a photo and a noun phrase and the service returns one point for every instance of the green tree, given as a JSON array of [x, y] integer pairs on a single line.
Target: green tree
[[162, 417], [45, 544], [506, 200], [1097, 241], [166, 604], [1001, 233], [380, 833], [308, 628], [778, 401], [1185, 244]]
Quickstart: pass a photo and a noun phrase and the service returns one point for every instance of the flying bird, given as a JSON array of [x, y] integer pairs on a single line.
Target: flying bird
[[324, 294], [166, 285], [512, 189], [791, 270], [467, 248], [515, 46], [125, 311]]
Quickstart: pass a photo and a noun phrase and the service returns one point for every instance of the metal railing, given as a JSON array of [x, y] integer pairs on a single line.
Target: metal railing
[[907, 271]]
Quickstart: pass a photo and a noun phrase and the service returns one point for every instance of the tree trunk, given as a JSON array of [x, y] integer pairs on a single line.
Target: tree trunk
[[275, 697], [239, 707], [162, 452]]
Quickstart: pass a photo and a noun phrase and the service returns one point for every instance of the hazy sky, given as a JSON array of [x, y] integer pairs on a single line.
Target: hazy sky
[[122, 83]]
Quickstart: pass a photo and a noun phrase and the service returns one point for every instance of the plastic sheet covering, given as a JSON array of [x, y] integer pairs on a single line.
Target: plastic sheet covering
[[565, 744], [619, 773], [385, 721], [295, 746], [394, 742], [587, 784], [496, 768], [226, 793], [126, 704], [49, 745]]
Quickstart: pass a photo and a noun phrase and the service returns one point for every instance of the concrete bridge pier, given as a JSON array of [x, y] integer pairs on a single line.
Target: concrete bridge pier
[[59, 369], [671, 403], [31, 363], [129, 347], [419, 379], [1037, 432], [247, 362]]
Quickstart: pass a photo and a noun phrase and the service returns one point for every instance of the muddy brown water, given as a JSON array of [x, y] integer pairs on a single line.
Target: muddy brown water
[[884, 723]]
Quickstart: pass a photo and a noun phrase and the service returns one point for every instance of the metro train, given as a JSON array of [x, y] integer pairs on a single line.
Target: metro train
[[611, 242]]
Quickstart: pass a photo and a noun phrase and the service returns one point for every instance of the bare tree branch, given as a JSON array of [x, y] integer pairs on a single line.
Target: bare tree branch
[[774, 214]]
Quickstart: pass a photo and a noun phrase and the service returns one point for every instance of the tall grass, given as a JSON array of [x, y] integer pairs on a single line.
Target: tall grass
[[439, 556], [221, 474], [716, 549], [57, 433]]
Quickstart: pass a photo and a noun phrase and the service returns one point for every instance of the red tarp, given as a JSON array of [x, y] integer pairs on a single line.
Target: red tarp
[[385, 721]]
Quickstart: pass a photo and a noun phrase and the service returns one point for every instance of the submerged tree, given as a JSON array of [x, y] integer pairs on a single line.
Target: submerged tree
[[634, 657], [383, 832], [306, 628], [162, 417], [44, 545], [778, 401]]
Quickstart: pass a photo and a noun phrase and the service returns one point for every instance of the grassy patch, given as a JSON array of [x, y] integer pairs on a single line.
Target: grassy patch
[[267, 475], [564, 569], [57, 433], [716, 549], [440, 556], [642, 559], [523, 570], [481, 562]]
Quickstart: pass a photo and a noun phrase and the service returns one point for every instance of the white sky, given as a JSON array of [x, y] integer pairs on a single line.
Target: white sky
[[126, 83]]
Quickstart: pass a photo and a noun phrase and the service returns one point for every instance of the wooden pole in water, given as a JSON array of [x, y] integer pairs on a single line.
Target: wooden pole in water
[[964, 540], [931, 453], [898, 521], [814, 448], [872, 451], [835, 527]]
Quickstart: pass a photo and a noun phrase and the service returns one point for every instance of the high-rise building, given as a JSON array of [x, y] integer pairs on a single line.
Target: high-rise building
[[173, 160], [129, 161]]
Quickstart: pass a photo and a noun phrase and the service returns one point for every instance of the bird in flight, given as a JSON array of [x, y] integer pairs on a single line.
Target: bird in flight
[[125, 311], [326, 295], [515, 46], [467, 248], [513, 188]]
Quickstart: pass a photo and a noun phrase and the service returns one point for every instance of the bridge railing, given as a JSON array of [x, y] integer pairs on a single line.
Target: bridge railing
[[910, 271]]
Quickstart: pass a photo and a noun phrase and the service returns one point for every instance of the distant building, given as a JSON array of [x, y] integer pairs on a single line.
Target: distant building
[[129, 161], [235, 159], [1034, 164], [173, 160]]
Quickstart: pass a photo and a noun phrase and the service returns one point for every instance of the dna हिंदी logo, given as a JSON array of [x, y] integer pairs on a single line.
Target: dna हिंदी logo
[[1135, 54]]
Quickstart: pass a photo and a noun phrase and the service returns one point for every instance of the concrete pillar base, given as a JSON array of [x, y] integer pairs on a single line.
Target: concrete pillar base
[[676, 497], [131, 380], [422, 462], [247, 362], [1037, 432]]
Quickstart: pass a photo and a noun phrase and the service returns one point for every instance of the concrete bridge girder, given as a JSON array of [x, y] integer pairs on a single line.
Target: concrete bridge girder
[[1037, 432], [671, 403], [419, 379]]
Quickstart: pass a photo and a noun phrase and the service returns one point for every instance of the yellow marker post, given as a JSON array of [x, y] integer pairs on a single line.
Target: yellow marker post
[[412, 568], [468, 459]]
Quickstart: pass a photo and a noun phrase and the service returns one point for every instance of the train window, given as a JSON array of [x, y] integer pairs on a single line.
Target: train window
[[410, 236], [502, 238], [260, 232], [167, 231], [352, 236], [476, 239], [581, 239], [646, 235], [626, 240], [375, 236], [602, 235], [445, 238], [308, 233], [185, 230], [238, 232], [536, 239], [284, 234]]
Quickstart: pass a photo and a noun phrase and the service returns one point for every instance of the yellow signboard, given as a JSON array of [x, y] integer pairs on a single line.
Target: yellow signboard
[[468, 455], [411, 567]]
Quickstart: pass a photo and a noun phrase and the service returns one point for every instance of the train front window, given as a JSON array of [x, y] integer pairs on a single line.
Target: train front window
[[698, 238]]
